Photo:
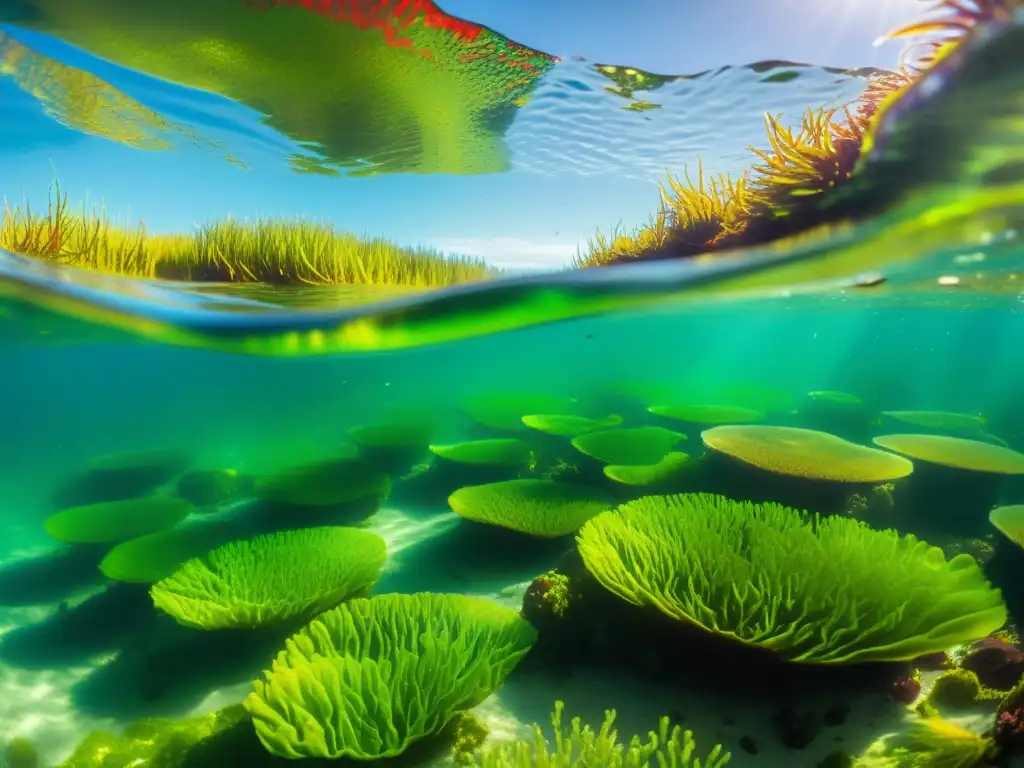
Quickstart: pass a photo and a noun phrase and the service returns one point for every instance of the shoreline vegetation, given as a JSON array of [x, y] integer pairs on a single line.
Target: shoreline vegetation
[[777, 196], [270, 251]]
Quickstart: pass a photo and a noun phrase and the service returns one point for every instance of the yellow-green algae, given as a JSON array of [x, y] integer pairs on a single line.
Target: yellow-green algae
[[499, 452], [672, 465], [942, 420], [811, 589], [567, 425], [152, 742], [628, 446], [545, 509], [805, 453], [504, 411], [955, 453], [1009, 520], [155, 556], [112, 521], [271, 578], [371, 677], [835, 397]]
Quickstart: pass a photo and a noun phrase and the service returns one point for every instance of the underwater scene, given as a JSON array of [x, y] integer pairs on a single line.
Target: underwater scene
[[511, 386]]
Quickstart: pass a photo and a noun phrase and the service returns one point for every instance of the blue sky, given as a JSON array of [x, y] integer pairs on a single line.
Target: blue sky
[[517, 219]]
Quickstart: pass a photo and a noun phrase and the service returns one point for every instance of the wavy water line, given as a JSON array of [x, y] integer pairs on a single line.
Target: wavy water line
[[576, 123]]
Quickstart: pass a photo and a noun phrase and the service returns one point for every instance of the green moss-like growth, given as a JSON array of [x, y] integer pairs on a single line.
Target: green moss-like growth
[[272, 578], [579, 746], [501, 452], [633, 446], [21, 753], [153, 742], [116, 520], [373, 676], [468, 734], [155, 556], [325, 484], [567, 425], [546, 509], [207, 487], [959, 689], [670, 467], [706, 414], [812, 589]]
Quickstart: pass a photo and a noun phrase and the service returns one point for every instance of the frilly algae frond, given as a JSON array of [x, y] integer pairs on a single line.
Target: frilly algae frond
[[271, 578], [371, 677], [580, 747], [542, 508], [811, 590]]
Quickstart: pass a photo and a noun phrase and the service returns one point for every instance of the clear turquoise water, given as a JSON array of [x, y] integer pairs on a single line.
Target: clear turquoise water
[[96, 366]]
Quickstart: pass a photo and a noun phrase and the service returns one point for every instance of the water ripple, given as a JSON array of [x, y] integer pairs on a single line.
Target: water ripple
[[578, 122]]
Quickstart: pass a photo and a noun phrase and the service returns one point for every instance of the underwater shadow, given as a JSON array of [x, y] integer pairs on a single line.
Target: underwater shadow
[[471, 556], [70, 636], [51, 577], [171, 669]]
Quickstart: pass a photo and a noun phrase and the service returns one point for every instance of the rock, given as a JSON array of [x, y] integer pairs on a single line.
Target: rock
[[997, 663], [797, 729]]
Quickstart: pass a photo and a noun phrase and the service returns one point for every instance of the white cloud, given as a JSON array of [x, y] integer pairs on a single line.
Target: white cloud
[[511, 252]]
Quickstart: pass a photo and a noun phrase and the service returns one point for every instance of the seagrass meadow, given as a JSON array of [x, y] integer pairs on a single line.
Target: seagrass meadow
[[742, 488]]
